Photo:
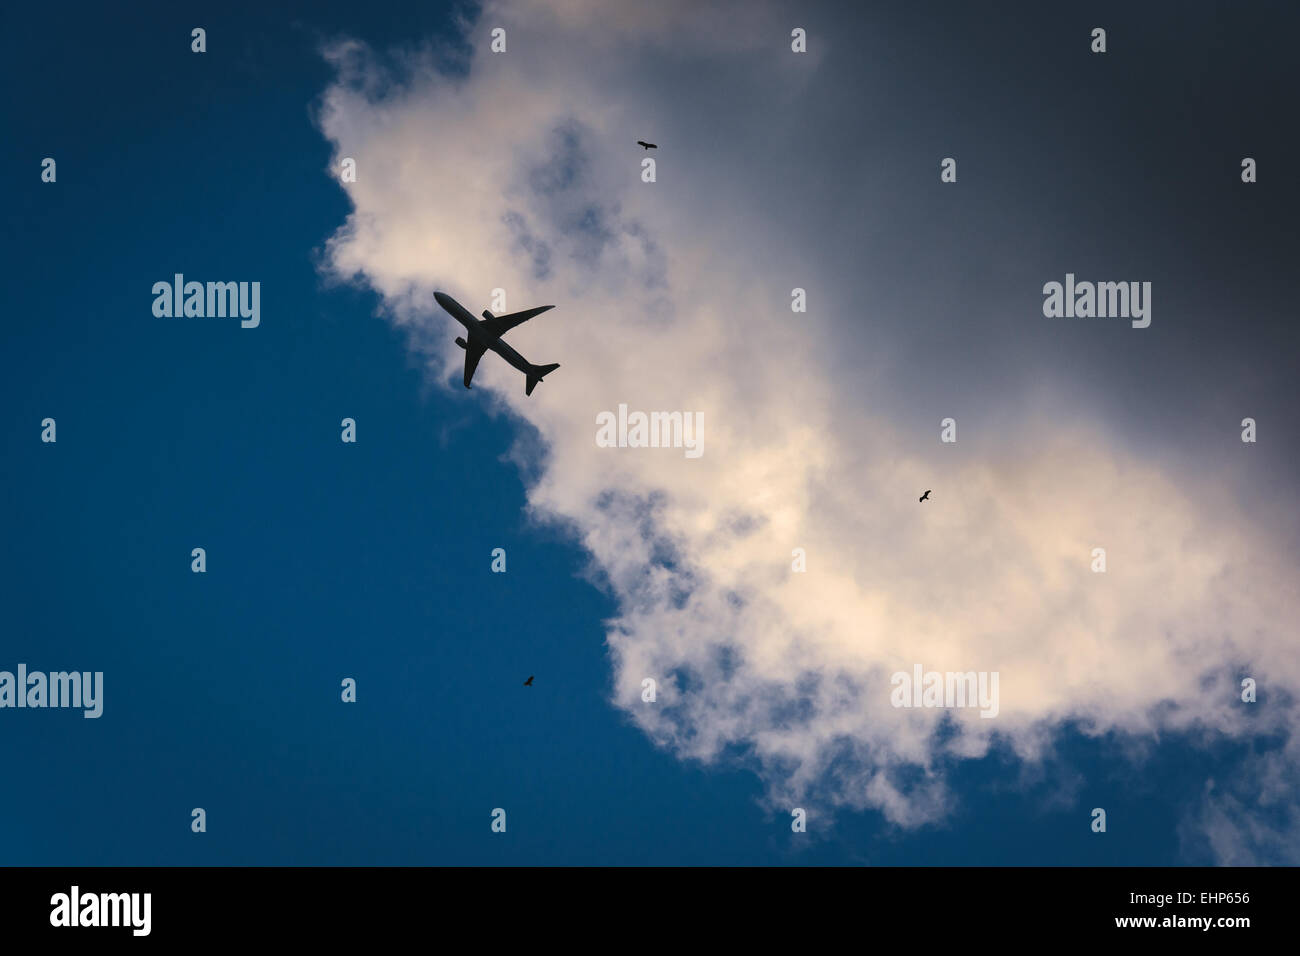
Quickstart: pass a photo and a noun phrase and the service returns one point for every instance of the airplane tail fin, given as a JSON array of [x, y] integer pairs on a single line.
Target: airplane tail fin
[[536, 374]]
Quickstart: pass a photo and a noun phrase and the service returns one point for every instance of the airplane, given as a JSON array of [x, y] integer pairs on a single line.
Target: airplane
[[487, 334]]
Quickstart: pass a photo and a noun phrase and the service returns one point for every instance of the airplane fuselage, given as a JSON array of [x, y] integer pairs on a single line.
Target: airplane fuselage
[[478, 335]]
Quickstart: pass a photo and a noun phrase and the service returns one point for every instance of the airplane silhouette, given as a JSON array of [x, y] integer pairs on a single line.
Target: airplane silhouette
[[924, 496], [487, 334], [643, 143], [529, 682]]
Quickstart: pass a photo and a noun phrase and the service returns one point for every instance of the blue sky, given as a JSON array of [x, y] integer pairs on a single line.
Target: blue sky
[[372, 560]]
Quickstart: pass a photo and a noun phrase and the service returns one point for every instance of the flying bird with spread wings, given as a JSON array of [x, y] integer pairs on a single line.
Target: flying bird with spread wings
[[529, 682], [925, 496], [644, 145]]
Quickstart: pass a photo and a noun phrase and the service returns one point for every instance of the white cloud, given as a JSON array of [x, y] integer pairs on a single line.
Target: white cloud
[[522, 173]]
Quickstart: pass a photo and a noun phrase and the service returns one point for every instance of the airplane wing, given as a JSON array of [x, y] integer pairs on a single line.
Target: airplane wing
[[496, 325], [472, 354]]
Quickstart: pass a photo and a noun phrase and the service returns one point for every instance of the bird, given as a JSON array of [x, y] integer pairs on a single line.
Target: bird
[[924, 496], [645, 145], [529, 682]]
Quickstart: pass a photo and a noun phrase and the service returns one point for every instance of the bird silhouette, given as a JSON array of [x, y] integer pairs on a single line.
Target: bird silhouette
[[529, 682], [924, 496], [642, 143]]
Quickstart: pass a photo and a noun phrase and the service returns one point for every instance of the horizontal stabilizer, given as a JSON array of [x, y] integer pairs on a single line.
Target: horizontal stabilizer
[[537, 373]]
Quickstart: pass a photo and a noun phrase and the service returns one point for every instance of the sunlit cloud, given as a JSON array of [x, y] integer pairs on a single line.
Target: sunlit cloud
[[519, 171]]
